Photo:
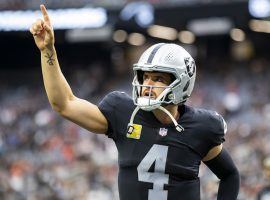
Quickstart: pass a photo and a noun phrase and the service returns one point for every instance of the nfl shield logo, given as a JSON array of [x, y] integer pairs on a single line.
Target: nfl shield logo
[[163, 132]]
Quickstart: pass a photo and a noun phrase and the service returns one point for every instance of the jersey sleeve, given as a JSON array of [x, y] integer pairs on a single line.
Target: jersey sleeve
[[218, 129], [108, 108], [211, 128]]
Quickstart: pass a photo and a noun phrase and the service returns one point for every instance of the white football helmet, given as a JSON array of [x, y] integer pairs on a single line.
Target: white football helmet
[[169, 58]]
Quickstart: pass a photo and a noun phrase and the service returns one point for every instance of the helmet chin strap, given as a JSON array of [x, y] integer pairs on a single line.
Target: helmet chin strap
[[178, 127]]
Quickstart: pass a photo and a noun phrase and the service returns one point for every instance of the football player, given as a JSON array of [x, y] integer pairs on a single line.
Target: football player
[[160, 140]]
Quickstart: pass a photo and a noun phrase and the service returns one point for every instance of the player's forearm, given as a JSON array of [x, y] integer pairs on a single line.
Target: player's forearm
[[225, 169], [229, 187], [56, 86]]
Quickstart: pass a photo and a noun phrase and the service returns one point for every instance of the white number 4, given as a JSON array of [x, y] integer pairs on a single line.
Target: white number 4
[[158, 155]]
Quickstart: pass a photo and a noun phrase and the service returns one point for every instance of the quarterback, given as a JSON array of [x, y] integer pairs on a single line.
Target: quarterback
[[160, 140]]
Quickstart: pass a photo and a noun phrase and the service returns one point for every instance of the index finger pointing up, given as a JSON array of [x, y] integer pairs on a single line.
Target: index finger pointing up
[[45, 14]]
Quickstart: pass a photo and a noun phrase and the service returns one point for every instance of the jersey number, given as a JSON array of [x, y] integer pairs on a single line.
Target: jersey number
[[157, 155]]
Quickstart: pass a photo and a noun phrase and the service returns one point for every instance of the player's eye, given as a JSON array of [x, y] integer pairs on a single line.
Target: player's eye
[[159, 79]]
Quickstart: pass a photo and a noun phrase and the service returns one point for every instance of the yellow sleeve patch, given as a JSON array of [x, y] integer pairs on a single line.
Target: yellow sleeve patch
[[136, 132]]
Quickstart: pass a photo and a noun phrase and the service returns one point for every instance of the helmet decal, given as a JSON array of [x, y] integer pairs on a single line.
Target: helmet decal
[[190, 64]]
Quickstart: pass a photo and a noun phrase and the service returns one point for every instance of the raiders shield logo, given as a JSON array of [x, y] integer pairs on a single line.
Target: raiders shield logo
[[190, 64]]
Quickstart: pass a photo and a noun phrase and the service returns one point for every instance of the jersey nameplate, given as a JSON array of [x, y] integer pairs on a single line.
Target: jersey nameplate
[[135, 132]]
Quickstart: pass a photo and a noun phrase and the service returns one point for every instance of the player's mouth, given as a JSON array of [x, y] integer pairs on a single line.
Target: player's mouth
[[147, 94]]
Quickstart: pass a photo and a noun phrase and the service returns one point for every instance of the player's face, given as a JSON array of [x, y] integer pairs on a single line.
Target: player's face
[[155, 79]]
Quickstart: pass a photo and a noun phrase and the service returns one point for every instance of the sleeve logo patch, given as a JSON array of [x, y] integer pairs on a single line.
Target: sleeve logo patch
[[134, 131]]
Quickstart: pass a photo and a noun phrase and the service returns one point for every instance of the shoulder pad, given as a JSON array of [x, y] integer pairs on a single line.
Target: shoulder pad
[[213, 120], [115, 97]]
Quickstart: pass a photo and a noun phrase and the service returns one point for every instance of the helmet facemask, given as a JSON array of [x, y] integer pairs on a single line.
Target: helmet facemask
[[147, 103]]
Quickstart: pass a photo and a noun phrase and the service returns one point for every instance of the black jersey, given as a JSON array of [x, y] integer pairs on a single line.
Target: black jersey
[[156, 162]]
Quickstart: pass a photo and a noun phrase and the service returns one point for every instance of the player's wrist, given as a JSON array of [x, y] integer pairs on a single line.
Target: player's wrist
[[48, 49]]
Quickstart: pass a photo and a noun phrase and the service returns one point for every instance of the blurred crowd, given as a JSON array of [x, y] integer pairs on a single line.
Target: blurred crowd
[[45, 157]]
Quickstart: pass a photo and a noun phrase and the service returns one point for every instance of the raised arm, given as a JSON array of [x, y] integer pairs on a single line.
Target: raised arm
[[57, 88]]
